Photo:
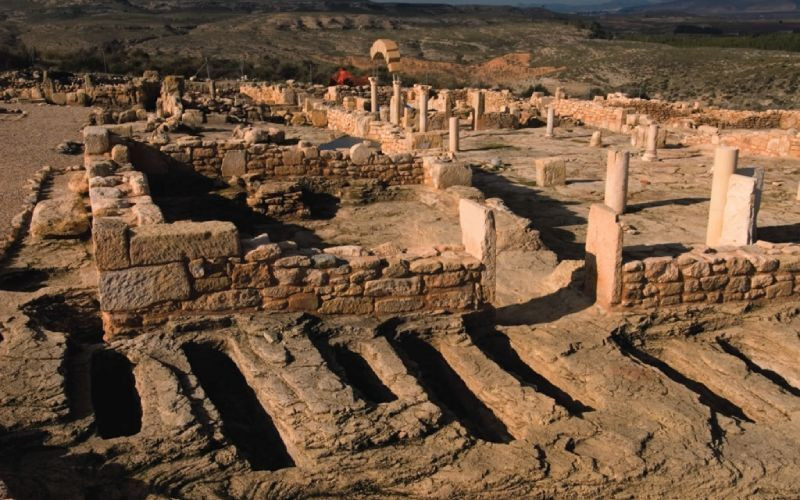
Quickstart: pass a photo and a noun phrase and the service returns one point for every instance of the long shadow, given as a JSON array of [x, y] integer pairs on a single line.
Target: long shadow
[[499, 349], [681, 202], [31, 469], [770, 375], [183, 194], [661, 250], [789, 233], [354, 370], [544, 309], [244, 420], [447, 389], [548, 215]]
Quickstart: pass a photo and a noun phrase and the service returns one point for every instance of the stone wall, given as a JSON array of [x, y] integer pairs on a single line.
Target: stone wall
[[393, 139], [700, 276], [772, 143], [753, 273], [151, 271], [224, 159]]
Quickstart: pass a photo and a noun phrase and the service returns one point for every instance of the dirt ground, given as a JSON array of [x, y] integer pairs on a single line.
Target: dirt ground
[[28, 143], [548, 396]]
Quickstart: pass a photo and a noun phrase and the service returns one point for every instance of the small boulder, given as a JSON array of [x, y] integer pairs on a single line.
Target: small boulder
[[62, 217]]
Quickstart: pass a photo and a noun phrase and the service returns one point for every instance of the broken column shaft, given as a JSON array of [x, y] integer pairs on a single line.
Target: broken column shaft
[[617, 180], [725, 160]]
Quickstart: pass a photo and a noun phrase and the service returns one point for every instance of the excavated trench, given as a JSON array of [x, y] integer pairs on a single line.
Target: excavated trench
[[353, 370], [117, 408], [361, 376], [498, 348], [244, 420], [447, 388]]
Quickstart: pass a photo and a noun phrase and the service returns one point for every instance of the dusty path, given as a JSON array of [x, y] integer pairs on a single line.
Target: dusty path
[[29, 143]]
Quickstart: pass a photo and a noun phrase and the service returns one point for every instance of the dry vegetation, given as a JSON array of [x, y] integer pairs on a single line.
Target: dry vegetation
[[309, 45]]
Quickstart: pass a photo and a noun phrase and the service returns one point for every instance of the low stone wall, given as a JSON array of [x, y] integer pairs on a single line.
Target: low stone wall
[[703, 275], [772, 143], [270, 94], [593, 113], [393, 139], [150, 271], [224, 159], [753, 273]]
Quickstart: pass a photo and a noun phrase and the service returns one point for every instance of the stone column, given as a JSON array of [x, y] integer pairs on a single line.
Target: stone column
[[448, 105], [725, 160], [212, 88], [479, 237], [617, 180], [397, 101], [373, 94], [454, 140], [422, 105], [479, 106], [597, 140], [651, 151], [551, 121]]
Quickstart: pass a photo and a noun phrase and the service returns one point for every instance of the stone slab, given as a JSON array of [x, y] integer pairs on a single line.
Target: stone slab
[[140, 287], [162, 243]]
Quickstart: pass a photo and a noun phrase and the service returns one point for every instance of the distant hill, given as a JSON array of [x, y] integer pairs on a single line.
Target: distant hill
[[720, 7]]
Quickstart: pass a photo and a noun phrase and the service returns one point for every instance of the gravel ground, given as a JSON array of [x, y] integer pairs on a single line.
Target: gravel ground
[[28, 144]]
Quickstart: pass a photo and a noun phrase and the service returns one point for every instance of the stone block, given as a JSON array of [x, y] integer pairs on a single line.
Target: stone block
[[604, 255], [161, 243], [227, 300], [740, 211], [551, 172], [479, 237], [396, 305], [303, 302], [147, 213], [110, 238], [140, 287], [96, 141], [62, 217], [120, 154], [393, 286], [234, 163], [443, 173], [347, 305]]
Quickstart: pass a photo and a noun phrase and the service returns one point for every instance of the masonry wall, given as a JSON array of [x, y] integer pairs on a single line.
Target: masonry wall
[[151, 271], [754, 273], [772, 143], [209, 159], [393, 139]]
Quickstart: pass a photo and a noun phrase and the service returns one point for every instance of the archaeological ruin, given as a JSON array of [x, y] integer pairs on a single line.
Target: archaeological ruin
[[279, 289]]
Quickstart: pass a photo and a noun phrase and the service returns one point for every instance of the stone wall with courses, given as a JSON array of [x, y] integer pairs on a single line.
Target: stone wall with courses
[[593, 114], [669, 112], [702, 276], [393, 140], [215, 159], [190, 268], [773, 143], [150, 271]]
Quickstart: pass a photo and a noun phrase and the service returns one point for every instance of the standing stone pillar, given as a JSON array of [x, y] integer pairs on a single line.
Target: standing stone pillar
[[604, 256], [617, 180], [479, 237], [551, 121], [479, 106], [725, 160], [651, 151], [448, 105], [739, 216], [396, 105], [454, 140], [422, 104], [373, 94], [212, 88]]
